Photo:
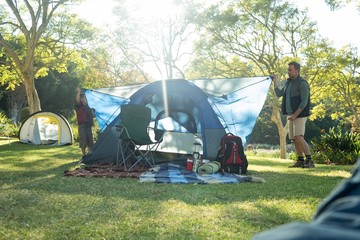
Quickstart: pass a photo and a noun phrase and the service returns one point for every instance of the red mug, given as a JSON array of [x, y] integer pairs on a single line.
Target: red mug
[[189, 164]]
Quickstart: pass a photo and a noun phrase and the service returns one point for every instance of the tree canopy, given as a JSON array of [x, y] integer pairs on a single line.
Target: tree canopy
[[36, 36], [184, 39], [255, 37]]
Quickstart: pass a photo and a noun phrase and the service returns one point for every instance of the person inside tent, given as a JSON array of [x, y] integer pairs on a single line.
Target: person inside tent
[[84, 115]]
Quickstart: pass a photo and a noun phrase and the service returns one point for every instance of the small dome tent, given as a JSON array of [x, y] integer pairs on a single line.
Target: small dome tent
[[46, 128]]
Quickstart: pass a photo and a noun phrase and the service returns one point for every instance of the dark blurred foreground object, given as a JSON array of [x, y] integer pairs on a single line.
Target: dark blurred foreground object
[[338, 216]]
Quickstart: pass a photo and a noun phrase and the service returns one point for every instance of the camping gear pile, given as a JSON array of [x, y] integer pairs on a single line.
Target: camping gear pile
[[174, 173], [208, 173]]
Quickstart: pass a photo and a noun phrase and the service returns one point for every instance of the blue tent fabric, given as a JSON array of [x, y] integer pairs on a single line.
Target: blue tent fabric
[[240, 108], [235, 103], [211, 107], [174, 173], [182, 95], [106, 106]]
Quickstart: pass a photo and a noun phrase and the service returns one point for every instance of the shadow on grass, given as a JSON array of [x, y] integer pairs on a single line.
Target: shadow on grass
[[82, 201], [35, 193]]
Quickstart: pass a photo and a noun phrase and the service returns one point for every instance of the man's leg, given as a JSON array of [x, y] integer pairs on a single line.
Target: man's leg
[[89, 139], [299, 131], [82, 139], [298, 146], [303, 145], [300, 161]]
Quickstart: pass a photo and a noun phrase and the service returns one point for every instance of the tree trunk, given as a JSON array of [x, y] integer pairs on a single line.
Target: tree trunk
[[31, 93], [276, 118], [356, 122], [282, 135]]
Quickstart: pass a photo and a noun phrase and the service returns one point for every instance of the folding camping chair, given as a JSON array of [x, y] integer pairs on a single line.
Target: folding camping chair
[[134, 134]]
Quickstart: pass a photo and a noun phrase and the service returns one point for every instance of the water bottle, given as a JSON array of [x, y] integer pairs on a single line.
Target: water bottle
[[196, 161]]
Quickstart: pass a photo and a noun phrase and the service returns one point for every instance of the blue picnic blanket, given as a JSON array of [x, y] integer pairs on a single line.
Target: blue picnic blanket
[[174, 173]]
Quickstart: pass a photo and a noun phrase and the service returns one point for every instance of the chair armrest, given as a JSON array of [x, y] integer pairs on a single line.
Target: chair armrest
[[159, 134]]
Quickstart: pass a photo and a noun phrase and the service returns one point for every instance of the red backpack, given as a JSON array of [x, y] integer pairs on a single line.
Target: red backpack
[[231, 155]]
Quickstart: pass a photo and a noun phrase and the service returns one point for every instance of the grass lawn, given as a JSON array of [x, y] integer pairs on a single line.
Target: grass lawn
[[38, 202]]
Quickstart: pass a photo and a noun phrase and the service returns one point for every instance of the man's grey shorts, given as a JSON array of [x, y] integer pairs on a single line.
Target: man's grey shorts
[[85, 136]]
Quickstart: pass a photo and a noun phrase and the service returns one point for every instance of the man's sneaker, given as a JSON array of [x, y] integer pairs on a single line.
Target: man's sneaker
[[309, 164], [297, 164]]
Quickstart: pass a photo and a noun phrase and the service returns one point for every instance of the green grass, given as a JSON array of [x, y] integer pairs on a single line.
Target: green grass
[[38, 202]]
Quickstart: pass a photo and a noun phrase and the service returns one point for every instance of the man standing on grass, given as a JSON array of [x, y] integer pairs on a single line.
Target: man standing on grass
[[296, 105], [84, 116]]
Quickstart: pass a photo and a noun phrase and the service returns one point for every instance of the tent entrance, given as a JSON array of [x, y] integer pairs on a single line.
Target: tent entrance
[[181, 130], [176, 120], [46, 130]]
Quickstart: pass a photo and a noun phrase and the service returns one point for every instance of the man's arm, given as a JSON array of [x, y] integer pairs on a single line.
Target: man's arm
[[304, 94], [293, 116], [278, 92]]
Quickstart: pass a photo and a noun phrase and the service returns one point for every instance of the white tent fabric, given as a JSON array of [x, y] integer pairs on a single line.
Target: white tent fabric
[[46, 128]]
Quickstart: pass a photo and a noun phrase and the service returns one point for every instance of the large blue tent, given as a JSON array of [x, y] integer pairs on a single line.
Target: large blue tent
[[189, 110]]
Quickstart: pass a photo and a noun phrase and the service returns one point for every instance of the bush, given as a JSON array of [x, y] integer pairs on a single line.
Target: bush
[[75, 132], [337, 146], [268, 150], [7, 128], [292, 155], [272, 153], [96, 132]]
